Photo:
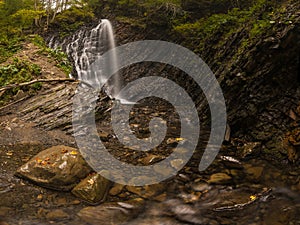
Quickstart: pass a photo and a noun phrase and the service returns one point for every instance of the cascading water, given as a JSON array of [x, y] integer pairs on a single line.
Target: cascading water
[[86, 46]]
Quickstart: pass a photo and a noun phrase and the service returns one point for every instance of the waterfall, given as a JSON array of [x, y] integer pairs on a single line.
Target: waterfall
[[86, 46]]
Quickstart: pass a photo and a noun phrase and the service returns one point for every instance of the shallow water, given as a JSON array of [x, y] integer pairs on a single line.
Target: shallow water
[[271, 198], [233, 190]]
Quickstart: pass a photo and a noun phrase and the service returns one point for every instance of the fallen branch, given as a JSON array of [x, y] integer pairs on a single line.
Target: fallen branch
[[240, 206], [11, 86]]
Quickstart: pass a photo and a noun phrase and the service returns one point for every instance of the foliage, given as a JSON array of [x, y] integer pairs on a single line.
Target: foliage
[[257, 17], [57, 54], [8, 47], [24, 17], [18, 71], [61, 59], [71, 19]]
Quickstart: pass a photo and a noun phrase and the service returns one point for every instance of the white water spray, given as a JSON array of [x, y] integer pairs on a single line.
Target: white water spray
[[90, 45]]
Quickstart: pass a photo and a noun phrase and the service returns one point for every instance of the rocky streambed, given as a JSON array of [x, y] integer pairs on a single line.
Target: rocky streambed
[[238, 188]]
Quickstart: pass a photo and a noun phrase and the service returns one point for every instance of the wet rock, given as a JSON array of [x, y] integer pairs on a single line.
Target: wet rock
[[231, 162], [227, 133], [291, 144], [3, 223], [116, 189], [200, 187], [147, 191], [104, 136], [219, 178], [255, 173], [154, 221], [61, 201], [39, 197], [161, 197], [150, 159], [110, 213], [190, 198], [4, 211], [59, 168], [163, 170], [177, 163], [75, 202], [140, 179], [249, 149], [92, 189], [57, 214]]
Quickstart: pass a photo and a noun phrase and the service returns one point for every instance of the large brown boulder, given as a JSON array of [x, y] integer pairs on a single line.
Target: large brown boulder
[[59, 168]]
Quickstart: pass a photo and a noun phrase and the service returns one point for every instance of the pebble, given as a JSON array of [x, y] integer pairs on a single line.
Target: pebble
[[148, 191], [75, 202], [39, 197], [200, 187], [219, 178], [61, 201], [116, 189], [177, 163]]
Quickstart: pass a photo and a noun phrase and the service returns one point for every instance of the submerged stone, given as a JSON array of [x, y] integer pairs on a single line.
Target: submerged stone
[[59, 167], [255, 173], [92, 189], [57, 214], [110, 212], [219, 178]]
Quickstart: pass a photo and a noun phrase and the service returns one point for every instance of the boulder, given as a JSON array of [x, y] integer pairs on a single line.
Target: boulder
[[93, 189], [59, 168]]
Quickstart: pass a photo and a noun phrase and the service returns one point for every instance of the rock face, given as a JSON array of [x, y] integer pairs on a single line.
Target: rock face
[[59, 168]]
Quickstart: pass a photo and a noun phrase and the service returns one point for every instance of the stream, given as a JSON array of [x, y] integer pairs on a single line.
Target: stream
[[232, 190]]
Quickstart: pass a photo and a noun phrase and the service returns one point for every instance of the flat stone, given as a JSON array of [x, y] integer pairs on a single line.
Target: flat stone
[[105, 214], [59, 168], [219, 178], [57, 215]]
